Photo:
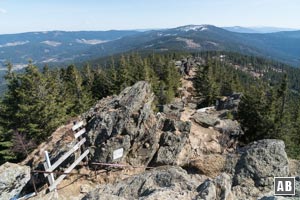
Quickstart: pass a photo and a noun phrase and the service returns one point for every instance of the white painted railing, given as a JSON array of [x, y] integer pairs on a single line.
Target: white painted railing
[[79, 130]]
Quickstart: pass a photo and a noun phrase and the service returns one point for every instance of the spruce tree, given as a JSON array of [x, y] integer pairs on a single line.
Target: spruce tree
[[254, 115], [204, 85], [124, 73], [77, 97]]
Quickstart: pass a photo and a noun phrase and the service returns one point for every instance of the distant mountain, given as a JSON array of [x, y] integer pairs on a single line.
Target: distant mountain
[[281, 46], [52, 46], [263, 29], [239, 29], [67, 47]]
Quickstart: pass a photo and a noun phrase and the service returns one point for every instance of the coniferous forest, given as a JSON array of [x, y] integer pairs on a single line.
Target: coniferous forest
[[39, 100]]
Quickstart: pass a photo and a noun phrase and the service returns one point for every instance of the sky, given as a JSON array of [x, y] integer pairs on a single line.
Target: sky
[[72, 15]]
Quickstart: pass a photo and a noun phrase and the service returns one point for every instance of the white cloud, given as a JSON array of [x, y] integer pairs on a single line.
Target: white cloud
[[3, 11]]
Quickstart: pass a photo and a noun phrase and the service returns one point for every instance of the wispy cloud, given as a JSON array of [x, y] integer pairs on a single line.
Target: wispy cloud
[[3, 11]]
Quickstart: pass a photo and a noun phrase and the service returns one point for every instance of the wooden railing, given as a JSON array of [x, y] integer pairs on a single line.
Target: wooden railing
[[78, 130]]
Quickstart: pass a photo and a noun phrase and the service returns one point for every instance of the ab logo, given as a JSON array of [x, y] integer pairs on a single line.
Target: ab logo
[[284, 186]]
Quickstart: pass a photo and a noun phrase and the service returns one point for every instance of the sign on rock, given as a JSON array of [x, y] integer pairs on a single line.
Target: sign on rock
[[118, 153]]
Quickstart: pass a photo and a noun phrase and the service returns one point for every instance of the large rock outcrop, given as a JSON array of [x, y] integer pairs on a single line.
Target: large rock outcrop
[[260, 162], [127, 122], [13, 178], [124, 122]]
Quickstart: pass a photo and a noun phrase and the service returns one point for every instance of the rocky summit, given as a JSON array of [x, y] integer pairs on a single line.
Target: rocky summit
[[186, 155], [125, 121]]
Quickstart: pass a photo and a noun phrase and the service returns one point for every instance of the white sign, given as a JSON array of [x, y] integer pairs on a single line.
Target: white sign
[[118, 153]]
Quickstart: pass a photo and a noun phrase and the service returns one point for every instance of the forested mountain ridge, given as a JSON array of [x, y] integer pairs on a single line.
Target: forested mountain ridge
[[262, 29], [51, 46], [281, 46], [60, 48], [70, 47]]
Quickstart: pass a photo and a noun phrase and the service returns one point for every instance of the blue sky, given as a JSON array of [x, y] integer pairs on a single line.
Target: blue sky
[[43, 15]]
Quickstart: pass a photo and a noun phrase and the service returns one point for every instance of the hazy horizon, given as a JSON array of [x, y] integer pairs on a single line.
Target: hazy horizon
[[93, 15], [161, 28]]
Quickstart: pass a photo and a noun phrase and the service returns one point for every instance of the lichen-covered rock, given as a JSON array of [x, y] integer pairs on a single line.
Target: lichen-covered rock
[[124, 121], [223, 186], [172, 142], [173, 110], [127, 122], [207, 191], [261, 161], [294, 167], [205, 119], [13, 178], [216, 189], [161, 183], [230, 127]]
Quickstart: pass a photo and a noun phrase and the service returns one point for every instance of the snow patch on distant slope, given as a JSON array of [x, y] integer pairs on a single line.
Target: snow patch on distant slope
[[12, 44], [91, 42], [51, 43], [193, 28]]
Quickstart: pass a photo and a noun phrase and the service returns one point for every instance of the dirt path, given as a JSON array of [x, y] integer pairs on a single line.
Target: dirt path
[[202, 140]]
